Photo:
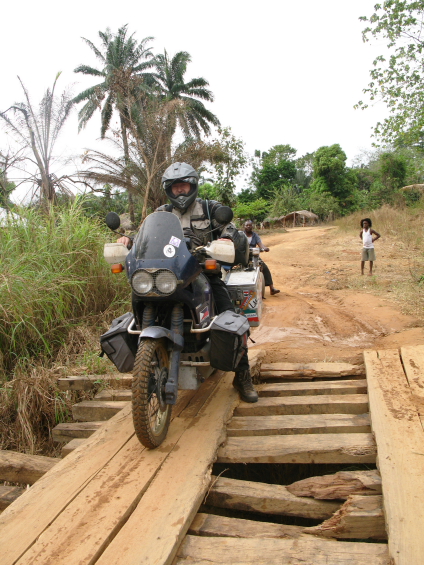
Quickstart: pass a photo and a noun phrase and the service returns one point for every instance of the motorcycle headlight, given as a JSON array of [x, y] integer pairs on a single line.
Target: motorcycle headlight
[[142, 282], [166, 282]]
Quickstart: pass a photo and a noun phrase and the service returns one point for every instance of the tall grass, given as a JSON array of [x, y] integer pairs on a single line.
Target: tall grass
[[53, 280], [405, 224], [52, 276]]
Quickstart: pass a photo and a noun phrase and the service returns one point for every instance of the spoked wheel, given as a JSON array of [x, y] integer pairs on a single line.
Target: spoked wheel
[[151, 415]]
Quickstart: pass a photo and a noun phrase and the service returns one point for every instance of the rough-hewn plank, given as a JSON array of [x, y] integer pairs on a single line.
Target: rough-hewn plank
[[22, 468], [9, 495], [63, 433], [199, 550], [320, 404], [299, 424], [96, 410], [302, 448], [168, 507], [413, 363], [89, 382], [400, 440], [70, 446], [315, 369], [113, 394], [23, 522], [357, 386], [103, 503], [223, 526], [341, 485], [266, 499], [360, 517]]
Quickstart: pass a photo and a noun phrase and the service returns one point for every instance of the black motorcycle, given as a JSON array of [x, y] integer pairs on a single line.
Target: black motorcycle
[[167, 340]]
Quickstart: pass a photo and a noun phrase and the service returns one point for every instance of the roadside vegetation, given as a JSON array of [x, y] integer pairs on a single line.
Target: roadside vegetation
[[56, 293]]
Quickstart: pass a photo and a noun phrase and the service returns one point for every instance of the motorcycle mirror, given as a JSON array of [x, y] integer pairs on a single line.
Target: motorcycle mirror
[[224, 215], [113, 221]]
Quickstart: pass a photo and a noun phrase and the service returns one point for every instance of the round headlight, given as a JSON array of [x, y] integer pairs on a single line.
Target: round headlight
[[142, 282], [166, 282]]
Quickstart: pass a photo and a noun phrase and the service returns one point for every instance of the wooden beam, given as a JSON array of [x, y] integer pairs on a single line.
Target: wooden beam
[[266, 499], [341, 485], [22, 468], [9, 495], [322, 448], [63, 433], [400, 441], [168, 507], [223, 526], [360, 517], [300, 424], [71, 445], [96, 410], [315, 369], [413, 363], [98, 487], [199, 550], [320, 404], [113, 394], [356, 386], [89, 382]]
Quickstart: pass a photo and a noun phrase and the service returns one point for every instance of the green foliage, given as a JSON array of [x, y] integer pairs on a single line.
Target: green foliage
[[54, 276], [285, 199], [256, 210], [271, 177], [208, 191], [393, 170], [246, 195], [229, 161], [330, 172], [397, 78]]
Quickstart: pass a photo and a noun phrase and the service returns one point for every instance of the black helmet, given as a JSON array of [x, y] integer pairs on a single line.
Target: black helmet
[[181, 172]]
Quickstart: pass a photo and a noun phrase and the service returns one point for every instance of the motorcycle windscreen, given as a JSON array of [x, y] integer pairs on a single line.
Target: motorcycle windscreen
[[160, 244], [159, 231]]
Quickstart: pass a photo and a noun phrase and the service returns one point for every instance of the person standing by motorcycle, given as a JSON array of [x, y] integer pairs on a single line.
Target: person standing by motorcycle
[[255, 241], [181, 184]]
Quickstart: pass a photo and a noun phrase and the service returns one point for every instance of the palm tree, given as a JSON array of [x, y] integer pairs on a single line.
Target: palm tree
[[193, 117], [123, 60]]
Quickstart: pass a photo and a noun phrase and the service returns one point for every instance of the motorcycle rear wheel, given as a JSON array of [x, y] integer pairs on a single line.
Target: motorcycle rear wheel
[[151, 416]]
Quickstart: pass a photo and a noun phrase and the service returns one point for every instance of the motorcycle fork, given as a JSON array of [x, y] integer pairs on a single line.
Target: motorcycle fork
[[177, 326]]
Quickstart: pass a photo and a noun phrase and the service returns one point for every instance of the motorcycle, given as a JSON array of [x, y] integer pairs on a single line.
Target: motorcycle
[[173, 338]]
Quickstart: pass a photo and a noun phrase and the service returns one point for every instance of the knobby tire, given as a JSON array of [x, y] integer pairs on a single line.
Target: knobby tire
[[151, 357]]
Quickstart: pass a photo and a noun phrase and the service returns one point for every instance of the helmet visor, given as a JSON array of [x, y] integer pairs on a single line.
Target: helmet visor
[[170, 182]]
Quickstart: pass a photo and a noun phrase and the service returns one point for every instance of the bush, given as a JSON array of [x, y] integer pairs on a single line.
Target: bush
[[53, 278]]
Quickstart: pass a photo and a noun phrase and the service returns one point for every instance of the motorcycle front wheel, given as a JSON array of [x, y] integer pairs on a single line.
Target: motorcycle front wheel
[[151, 416]]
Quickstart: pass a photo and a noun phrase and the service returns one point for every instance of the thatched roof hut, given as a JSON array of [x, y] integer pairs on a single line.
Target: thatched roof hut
[[300, 217]]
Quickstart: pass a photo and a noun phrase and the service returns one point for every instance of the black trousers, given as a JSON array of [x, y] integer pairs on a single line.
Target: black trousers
[[267, 274], [222, 304]]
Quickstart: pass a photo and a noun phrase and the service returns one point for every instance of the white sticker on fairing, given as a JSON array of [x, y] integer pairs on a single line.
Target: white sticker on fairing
[[175, 241], [169, 251], [253, 303]]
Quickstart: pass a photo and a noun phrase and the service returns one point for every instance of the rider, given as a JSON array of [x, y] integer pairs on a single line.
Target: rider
[[180, 182], [255, 240]]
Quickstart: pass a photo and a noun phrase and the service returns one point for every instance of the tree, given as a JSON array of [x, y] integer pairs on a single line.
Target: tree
[[122, 59], [275, 169], [397, 79], [229, 160], [330, 171], [256, 210], [169, 80], [39, 131], [8, 160]]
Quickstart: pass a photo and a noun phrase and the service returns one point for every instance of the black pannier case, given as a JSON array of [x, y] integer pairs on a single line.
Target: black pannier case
[[119, 345], [229, 333]]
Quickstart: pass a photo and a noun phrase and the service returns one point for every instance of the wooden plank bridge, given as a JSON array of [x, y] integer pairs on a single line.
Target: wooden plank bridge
[[330, 459]]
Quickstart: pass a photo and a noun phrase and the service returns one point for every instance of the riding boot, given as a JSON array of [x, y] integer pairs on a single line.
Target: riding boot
[[243, 384]]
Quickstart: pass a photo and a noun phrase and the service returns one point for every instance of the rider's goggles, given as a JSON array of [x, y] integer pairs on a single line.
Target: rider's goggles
[[168, 183]]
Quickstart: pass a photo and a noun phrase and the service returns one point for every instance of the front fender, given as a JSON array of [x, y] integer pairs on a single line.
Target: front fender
[[157, 332]]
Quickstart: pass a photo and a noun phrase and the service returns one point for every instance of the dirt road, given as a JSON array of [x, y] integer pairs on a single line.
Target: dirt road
[[319, 314]]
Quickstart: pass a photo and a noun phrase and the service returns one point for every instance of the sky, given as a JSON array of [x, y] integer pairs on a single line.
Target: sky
[[281, 71]]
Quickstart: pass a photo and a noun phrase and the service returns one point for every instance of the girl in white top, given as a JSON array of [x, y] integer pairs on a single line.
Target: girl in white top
[[368, 237]]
